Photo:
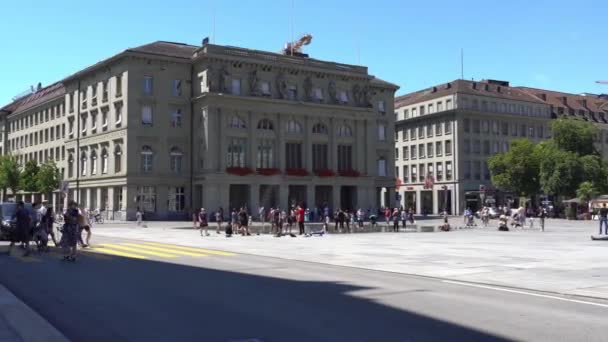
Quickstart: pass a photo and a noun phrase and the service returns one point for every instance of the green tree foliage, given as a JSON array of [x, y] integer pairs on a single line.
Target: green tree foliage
[[27, 181], [48, 178], [574, 136], [9, 173], [586, 191], [560, 171], [516, 170]]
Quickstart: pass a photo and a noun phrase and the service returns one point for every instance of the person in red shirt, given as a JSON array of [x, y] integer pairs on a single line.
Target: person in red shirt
[[301, 219]]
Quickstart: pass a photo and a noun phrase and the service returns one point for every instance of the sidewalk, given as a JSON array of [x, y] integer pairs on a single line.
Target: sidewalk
[[562, 260], [19, 323]]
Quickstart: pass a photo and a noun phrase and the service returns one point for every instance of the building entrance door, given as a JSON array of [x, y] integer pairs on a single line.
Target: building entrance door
[[409, 200], [297, 195], [239, 196], [348, 198], [427, 202], [269, 196]]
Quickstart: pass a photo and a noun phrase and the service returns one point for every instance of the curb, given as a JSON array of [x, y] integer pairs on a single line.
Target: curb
[[25, 323]]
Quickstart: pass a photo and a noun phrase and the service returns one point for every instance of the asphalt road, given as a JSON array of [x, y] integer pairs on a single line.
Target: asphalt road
[[241, 297]]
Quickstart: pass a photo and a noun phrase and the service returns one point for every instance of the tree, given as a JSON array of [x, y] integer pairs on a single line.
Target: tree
[[9, 174], [586, 191], [574, 136], [516, 170], [27, 181], [560, 171], [48, 178]]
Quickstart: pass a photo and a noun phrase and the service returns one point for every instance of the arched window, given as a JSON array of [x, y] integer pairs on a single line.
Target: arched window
[[70, 166], [294, 127], [93, 162], [117, 159], [83, 164], [176, 160], [319, 128], [345, 131], [236, 122], [265, 124], [146, 159], [104, 161]]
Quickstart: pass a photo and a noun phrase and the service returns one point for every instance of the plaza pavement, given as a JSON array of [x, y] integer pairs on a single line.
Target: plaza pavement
[[563, 259]]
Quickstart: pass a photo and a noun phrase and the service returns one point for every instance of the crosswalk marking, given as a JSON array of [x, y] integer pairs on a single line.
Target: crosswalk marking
[[119, 253], [136, 250], [199, 250], [168, 250]]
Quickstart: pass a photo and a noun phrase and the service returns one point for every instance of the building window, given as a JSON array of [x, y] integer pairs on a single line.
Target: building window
[[265, 124], [476, 126], [439, 171], [429, 150], [438, 128], [265, 158], [430, 170], [343, 97], [440, 106], [466, 146], [467, 169], [467, 125], [477, 170], [406, 152], [414, 174], [319, 156], [235, 86], [236, 152], [448, 147], [83, 125], [265, 88], [118, 109], [447, 127], [146, 196], [531, 131], [486, 147], [146, 115], [176, 157], [413, 152], [147, 158], [148, 85], [430, 108], [293, 155], [414, 113], [345, 157], [104, 91], [438, 148], [541, 131], [505, 146], [117, 159], [93, 162], [176, 118], [318, 94], [104, 161], [118, 85], [319, 128], [405, 134], [294, 127], [485, 126], [421, 174], [382, 132], [104, 119], [421, 151], [93, 123], [486, 171], [177, 87], [83, 163], [406, 175], [448, 104], [382, 167], [475, 104], [345, 131], [448, 170], [494, 147], [396, 153], [421, 132], [513, 129], [381, 108], [522, 130], [495, 127], [406, 114], [177, 199], [476, 146], [236, 122]]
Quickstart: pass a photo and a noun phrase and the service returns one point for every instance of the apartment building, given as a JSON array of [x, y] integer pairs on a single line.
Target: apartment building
[[445, 135], [167, 127]]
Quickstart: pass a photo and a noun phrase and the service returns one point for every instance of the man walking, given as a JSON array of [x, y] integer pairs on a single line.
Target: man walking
[[300, 218], [604, 218], [21, 234]]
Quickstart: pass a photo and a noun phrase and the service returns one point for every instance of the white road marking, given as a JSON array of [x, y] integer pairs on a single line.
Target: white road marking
[[525, 293]]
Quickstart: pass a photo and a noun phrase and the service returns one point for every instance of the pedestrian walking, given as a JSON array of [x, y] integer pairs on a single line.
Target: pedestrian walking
[[219, 219], [542, 214], [139, 217], [404, 218], [396, 218], [604, 218], [84, 223], [243, 222], [300, 218], [69, 238], [387, 216], [360, 215], [21, 233], [341, 218], [530, 216], [49, 222], [203, 222]]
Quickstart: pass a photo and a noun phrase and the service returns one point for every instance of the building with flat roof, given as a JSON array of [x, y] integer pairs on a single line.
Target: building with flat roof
[[446, 133], [167, 127]]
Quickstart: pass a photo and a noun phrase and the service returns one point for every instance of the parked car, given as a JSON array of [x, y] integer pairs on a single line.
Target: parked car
[[7, 211]]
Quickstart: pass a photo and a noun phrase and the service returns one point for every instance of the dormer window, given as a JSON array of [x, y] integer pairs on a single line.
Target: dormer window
[[265, 88]]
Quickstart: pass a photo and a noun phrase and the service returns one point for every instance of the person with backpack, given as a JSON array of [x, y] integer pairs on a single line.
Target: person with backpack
[[203, 221]]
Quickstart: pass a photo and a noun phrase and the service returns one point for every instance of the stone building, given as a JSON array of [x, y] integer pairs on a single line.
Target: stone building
[[168, 127], [445, 135]]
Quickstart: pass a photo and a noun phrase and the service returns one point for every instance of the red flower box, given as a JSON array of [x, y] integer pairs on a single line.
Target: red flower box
[[268, 171], [296, 172], [325, 173], [241, 171], [349, 173]]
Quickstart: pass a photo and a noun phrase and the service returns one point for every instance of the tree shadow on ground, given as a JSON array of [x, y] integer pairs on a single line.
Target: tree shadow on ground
[[120, 299]]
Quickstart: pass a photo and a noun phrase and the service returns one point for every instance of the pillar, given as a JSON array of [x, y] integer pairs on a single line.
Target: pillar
[[310, 196], [333, 149], [418, 202], [254, 199], [162, 201], [336, 197], [98, 199], [307, 146], [283, 196], [110, 208], [87, 201]]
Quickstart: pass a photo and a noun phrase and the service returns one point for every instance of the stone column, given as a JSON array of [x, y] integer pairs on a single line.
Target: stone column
[[280, 145], [336, 197], [310, 196], [87, 202], [333, 149], [98, 200], [252, 142], [283, 196], [418, 202], [110, 208]]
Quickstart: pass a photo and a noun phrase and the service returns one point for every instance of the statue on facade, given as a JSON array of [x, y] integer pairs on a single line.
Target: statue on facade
[[357, 95], [224, 81], [308, 89], [332, 92], [366, 97], [282, 85], [210, 79], [253, 83]]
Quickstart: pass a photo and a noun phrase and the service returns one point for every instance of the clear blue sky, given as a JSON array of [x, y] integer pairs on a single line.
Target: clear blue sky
[[560, 45]]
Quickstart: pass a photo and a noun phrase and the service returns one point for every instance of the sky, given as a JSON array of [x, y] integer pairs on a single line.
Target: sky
[[558, 45]]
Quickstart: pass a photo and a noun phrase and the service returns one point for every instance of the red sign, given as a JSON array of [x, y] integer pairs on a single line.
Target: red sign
[[409, 188]]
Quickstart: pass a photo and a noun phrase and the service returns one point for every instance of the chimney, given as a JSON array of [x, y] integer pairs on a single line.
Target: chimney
[[205, 41], [498, 89], [39, 86], [474, 85]]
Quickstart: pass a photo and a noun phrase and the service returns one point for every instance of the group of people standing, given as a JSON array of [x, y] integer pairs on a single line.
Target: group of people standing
[[282, 222], [399, 215], [239, 221]]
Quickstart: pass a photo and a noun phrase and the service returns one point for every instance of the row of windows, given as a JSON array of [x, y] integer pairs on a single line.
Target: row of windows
[[105, 89], [237, 150], [510, 108], [422, 131], [89, 162], [96, 120], [421, 172], [42, 156], [485, 147], [175, 116], [38, 118], [36, 138], [476, 170], [425, 151], [505, 128], [146, 198], [428, 109]]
